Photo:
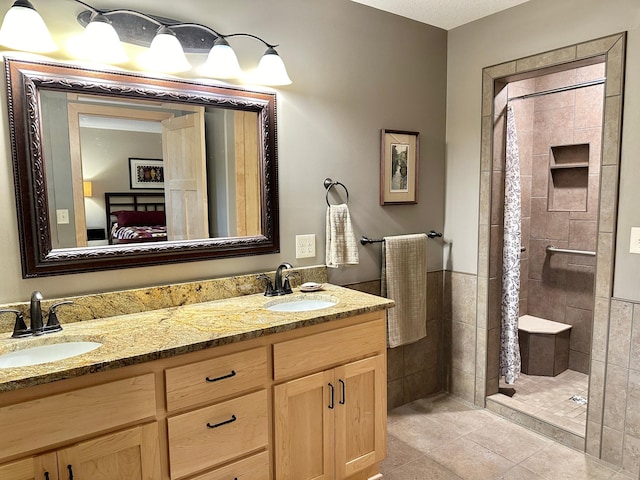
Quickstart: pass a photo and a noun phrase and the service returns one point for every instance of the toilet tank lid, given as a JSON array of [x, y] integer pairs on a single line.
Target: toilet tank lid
[[531, 324]]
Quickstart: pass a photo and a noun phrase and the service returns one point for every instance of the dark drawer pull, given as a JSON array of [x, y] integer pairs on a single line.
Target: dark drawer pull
[[46, 475], [332, 404], [232, 374], [70, 468], [216, 425]]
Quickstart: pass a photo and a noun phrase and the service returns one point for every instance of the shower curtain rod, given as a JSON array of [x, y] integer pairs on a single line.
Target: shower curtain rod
[[559, 89]]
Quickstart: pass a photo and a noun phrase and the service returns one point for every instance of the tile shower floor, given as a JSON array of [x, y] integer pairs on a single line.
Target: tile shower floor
[[443, 438], [550, 399]]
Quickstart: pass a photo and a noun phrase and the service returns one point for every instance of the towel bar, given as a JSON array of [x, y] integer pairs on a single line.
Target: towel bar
[[367, 241], [328, 184]]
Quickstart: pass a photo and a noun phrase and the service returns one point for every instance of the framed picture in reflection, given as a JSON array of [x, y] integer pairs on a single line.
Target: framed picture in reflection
[[146, 173]]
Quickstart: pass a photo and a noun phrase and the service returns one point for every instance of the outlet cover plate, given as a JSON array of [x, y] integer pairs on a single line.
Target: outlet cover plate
[[634, 243], [306, 245]]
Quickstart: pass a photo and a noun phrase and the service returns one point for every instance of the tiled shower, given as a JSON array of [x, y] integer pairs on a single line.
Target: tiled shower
[[559, 139]]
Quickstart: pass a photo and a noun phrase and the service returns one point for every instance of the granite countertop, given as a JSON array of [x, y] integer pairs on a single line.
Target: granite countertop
[[141, 337]]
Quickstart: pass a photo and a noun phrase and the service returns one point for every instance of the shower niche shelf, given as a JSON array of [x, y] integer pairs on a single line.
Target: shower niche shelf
[[569, 178]]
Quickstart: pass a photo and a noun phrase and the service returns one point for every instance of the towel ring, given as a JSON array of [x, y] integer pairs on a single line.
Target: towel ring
[[328, 184]]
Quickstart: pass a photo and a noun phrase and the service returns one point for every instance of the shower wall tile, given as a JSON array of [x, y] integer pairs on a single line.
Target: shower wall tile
[[495, 295], [499, 142], [631, 455], [581, 331], [579, 361], [555, 100], [581, 282], [600, 329], [608, 195], [592, 136], [604, 265], [545, 224], [525, 188], [615, 66], [632, 424], [615, 397], [589, 107], [525, 225], [612, 445], [463, 347], [634, 357], [611, 133], [463, 298], [595, 407], [546, 302], [547, 59], [540, 175], [620, 333], [595, 47], [482, 314], [497, 198], [552, 127], [495, 252], [463, 385], [554, 80], [582, 234], [523, 113], [590, 72], [485, 153], [592, 441]]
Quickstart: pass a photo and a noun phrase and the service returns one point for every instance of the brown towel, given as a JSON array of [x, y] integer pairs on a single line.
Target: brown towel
[[404, 280], [342, 248]]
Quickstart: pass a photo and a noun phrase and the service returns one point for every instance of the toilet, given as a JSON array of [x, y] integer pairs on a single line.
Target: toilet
[[544, 346]]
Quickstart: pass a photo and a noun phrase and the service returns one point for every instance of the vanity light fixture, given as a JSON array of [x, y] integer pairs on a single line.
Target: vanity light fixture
[[167, 41], [24, 29]]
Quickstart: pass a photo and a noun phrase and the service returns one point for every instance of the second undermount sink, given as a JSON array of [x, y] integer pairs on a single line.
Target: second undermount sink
[[301, 303], [50, 352]]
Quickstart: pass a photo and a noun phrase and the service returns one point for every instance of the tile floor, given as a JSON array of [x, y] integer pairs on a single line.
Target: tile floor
[[443, 438], [549, 399]]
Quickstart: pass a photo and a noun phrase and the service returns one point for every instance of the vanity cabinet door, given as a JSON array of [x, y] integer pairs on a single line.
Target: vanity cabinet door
[[331, 425], [132, 454], [42, 467], [360, 415], [304, 417]]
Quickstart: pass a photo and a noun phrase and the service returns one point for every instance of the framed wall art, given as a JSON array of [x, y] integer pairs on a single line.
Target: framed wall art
[[399, 167], [146, 173]]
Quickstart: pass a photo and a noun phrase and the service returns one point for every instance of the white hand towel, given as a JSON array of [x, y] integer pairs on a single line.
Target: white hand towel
[[342, 248], [404, 280]]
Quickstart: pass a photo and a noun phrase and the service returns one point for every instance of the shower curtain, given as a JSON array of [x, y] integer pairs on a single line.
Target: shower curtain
[[509, 348]]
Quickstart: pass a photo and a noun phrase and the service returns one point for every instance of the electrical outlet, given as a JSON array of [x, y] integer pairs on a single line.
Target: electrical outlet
[[62, 216], [634, 244], [306, 245]]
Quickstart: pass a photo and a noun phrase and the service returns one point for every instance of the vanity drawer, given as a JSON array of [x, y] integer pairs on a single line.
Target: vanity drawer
[[212, 435], [317, 352], [255, 467], [209, 380], [75, 414]]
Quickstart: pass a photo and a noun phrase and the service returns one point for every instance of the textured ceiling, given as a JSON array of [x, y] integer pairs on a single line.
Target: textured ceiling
[[446, 14]]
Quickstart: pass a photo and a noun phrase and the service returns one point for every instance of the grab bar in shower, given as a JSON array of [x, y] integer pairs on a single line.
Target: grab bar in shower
[[586, 253]]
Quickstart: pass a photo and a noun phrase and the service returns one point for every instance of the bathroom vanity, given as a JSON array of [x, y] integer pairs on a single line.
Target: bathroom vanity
[[226, 389]]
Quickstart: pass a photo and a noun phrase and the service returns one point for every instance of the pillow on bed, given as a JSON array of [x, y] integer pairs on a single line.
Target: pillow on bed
[[132, 218]]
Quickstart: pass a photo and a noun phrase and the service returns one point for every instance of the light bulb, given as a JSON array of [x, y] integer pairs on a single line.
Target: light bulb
[[24, 29]]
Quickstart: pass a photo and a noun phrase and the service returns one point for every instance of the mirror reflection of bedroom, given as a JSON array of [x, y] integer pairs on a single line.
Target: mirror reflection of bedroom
[[122, 172]]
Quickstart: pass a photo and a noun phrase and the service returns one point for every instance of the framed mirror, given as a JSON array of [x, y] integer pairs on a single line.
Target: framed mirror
[[117, 170]]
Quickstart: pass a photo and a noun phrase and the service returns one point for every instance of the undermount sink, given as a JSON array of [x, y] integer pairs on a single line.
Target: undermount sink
[[301, 304], [46, 353]]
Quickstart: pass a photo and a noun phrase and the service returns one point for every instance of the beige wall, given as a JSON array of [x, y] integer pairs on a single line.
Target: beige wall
[[534, 27], [356, 70]]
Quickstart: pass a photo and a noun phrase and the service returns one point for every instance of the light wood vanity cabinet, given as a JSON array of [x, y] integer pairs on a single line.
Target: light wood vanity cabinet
[[331, 424], [129, 454], [305, 403]]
